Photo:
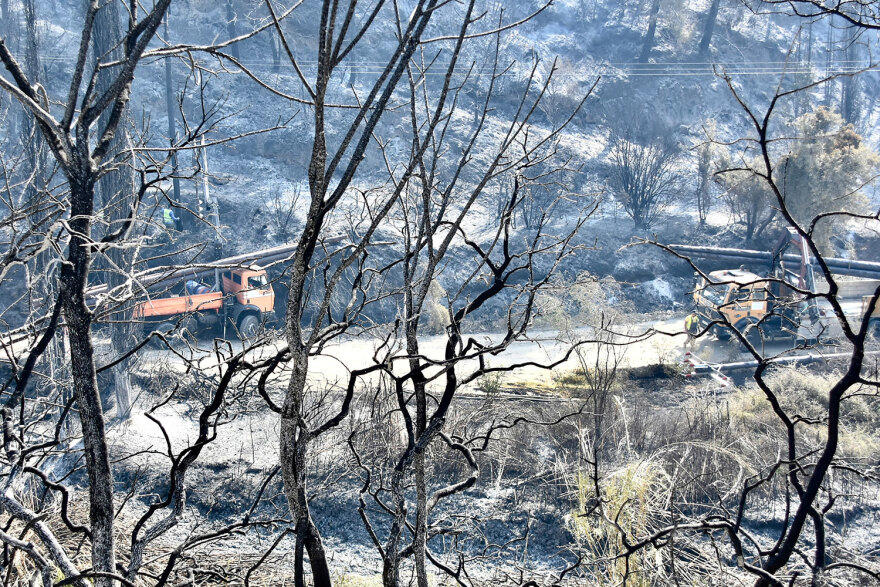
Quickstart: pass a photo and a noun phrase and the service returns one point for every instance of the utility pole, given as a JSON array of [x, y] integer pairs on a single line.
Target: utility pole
[[849, 86], [209, 204], [807, 64], [829, 60], [172, 123]]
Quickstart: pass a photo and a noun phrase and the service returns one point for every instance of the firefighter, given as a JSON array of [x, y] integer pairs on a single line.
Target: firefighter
[[692, 328], [170, 219]]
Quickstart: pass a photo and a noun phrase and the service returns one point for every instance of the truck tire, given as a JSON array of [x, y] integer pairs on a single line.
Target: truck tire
[[752, 332], [721, 332], [248, 327], [190, 328], [163, 327]]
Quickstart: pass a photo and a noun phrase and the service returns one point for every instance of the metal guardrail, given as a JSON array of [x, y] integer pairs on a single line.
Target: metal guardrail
[[720, 370]]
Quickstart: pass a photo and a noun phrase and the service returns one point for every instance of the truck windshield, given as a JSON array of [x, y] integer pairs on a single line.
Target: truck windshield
[[258, 281], [715, 294]]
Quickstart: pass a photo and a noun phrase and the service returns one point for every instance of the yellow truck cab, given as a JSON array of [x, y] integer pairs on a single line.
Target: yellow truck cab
[[252, 296], [737, 295], [783, 302]]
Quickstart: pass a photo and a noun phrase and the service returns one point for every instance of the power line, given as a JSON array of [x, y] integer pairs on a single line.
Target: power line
[[620, 68]]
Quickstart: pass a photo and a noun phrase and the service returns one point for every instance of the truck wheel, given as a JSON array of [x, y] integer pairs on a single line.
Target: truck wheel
[[249, 327], [163, 327], [752, 332], [189, 329], [721, 333]]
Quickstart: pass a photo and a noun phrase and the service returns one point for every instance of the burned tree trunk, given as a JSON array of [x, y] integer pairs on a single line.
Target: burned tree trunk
[[80, 141], [648, 43], [297, 433], [78, 319], [709, 28], [116, 192]]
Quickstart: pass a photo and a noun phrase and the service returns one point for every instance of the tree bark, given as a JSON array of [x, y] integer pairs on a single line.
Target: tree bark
[[294, 451], [295, 437], [709, 27], [78, 319], [413, 311], [421, 530], [116, 190], [648, 43]]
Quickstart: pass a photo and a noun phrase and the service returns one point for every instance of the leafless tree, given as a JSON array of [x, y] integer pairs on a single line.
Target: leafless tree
[[644, 175], [84, 161], [117, 187], [58, 235], [80, 141], [703, 194], [434, 216], [709, 27], [650, 34], [747, 200], [330, 176], [860, 14]]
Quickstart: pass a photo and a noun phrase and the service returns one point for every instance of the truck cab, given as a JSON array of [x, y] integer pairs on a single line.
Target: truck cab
[[761, 309], [739, 296], [250, 296]]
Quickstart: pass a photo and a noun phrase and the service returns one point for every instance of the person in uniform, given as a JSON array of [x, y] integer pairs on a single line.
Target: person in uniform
[[170, 219], [692, 328]]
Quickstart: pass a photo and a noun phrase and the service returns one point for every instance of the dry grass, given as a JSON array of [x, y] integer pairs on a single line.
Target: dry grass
[[805, 393], [704, 445], [635, 498], [350, 580]]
